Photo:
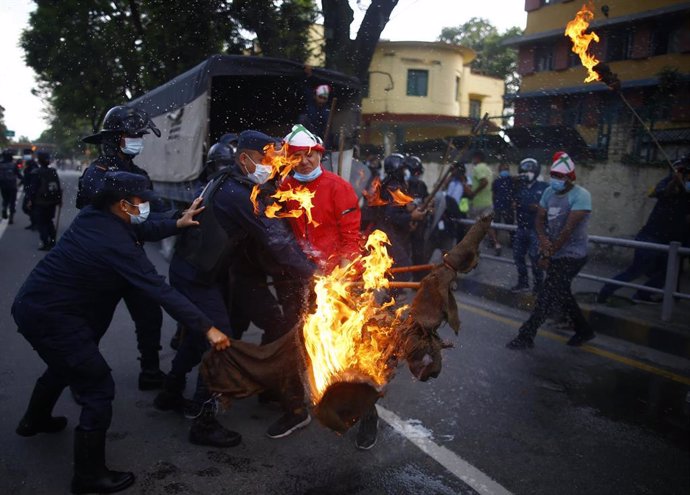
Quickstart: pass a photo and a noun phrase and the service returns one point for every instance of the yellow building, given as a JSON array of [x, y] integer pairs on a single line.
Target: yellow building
[[424, 90], [639, 40]]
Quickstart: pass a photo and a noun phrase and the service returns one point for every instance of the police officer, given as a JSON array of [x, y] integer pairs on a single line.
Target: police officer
[[45, 194], [199, 270], [9, 175], [28, 166], [418, 190], [120, 140], [98, 258]]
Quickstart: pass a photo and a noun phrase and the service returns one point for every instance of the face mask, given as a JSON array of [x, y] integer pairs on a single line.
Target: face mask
[[310, 176], [407, 174], [27, 157], [504, 173], [144, 210], [261, 172], [557, 185], [133, 146]]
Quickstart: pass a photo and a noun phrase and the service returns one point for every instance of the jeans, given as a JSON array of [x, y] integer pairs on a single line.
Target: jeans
[[525, 243], [557, 293]]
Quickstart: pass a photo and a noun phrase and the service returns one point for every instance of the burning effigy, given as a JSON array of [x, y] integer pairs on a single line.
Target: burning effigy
[[347, 347]]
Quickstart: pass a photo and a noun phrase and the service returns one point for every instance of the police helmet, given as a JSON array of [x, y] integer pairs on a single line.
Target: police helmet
[[123, 120], [682, 165], [529, 165], [229, 139], [43, 156], [414, 165], [393, 163], [220, 154]]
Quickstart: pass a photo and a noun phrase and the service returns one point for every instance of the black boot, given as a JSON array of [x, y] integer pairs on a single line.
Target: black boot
[[206, 430], [38, 417], [11, 220], [151, 376], [90, 473], [171, 398]]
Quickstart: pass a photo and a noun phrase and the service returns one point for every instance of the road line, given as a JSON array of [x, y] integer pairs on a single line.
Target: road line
[[588, 348], [455, 464]]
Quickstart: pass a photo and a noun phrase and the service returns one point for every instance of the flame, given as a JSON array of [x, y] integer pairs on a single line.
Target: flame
[[350, 334], [575, 30], [300, 194], [399, 197]]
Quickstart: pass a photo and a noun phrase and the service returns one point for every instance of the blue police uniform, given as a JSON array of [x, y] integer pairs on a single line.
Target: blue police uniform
[[147, 316], [96, 260], [525, 239], [233, 210]]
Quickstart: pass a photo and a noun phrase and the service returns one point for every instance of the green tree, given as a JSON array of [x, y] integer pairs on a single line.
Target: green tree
[[3, 128], [493, 57]]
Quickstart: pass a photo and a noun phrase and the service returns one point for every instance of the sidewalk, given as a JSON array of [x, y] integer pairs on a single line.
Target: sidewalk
[[620, 317]]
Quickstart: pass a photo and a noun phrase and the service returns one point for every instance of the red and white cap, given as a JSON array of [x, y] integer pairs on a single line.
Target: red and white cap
[[300, 139], [323, 90], [563, 164]]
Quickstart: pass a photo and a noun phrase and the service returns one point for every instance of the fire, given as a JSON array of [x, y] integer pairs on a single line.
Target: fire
[[350, 335], [399, 197], [373, 196], [282, 164], [575, 30], [300, 194]]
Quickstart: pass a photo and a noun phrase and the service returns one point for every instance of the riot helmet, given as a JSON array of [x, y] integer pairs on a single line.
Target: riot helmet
[[220, 155], [393, 163], [43, 157], [125, 120], [530, 169], [230, 139], [414, 165]]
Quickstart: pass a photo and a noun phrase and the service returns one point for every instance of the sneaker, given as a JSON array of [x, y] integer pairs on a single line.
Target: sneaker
[[580, 338], [520, 288], [191, 409], [520, 342], [368, 431], [151, 379], [288, 423]]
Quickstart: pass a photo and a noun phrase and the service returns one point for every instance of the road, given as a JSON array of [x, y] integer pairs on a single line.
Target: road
[[608, 418]]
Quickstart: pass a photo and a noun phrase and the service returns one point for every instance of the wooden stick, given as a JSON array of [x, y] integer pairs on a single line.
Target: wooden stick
[[341, 148], [412, 268], [329, 121], [394, 285]]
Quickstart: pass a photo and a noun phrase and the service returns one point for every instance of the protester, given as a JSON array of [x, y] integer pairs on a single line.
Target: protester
[[120, 140], [98, 258], [561, 225], [9, 175], [669, 221], [44, 194], [481, 194], [529, 190], [199, 270], [28, 165], [317, 110], [503, 196]]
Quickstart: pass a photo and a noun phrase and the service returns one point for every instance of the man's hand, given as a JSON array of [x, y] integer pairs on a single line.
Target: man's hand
[[418, 215], [187, 218], [217, 339]]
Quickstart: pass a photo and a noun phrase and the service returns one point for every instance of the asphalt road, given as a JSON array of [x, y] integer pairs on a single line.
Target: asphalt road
[[610, 418]]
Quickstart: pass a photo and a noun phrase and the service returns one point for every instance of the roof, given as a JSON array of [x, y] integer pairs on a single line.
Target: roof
[[468, 54], [190, 85], [600, 23]]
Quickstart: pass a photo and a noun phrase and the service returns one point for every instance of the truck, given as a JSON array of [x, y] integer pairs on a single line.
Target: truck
[[231, 93]]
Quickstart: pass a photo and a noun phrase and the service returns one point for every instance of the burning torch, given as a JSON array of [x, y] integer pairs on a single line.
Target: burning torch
[[599, 71]]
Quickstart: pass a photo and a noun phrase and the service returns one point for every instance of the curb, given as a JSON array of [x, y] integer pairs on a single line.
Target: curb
[[646, 333]]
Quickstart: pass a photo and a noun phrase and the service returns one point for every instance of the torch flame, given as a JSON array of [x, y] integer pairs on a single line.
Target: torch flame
[[373, 196], [575, 30], [300, 194], [399, 197], [350, 334]]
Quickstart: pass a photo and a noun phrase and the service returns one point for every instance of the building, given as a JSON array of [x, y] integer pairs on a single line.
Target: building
[[645, 42], [422, 91]]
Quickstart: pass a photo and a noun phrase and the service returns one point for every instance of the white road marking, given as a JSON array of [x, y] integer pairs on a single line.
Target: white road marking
[[4, 223], [463, 470]]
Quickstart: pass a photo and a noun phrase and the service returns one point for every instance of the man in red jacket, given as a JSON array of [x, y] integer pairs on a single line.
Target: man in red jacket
[[332, 237]]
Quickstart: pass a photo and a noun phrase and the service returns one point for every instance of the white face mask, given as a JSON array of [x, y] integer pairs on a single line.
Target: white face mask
[[133, 146], [406, 175], [144, 210], [261, 174], [27, 157]]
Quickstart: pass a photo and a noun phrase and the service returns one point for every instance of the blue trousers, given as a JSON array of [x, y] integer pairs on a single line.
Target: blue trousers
[[525, 243]]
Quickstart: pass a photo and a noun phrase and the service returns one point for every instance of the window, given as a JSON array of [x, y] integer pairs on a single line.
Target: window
[[619, 44], [475, 109], [417, 82], [457, 88], [543, 58]]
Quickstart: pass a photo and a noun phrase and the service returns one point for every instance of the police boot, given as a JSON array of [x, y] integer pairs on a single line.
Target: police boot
[[38, 417], [11, 220], [151, 376], [206, 430], [171, 398], [90, 473]]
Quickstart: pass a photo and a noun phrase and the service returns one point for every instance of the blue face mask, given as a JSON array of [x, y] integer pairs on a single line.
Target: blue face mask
[[504, 173], [314, 174], [557, 185]]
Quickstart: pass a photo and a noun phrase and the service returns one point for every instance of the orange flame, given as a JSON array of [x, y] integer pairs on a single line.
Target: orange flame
[[373, 195], [350, 334], [300, 194], [575, 30], [399, 197]]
